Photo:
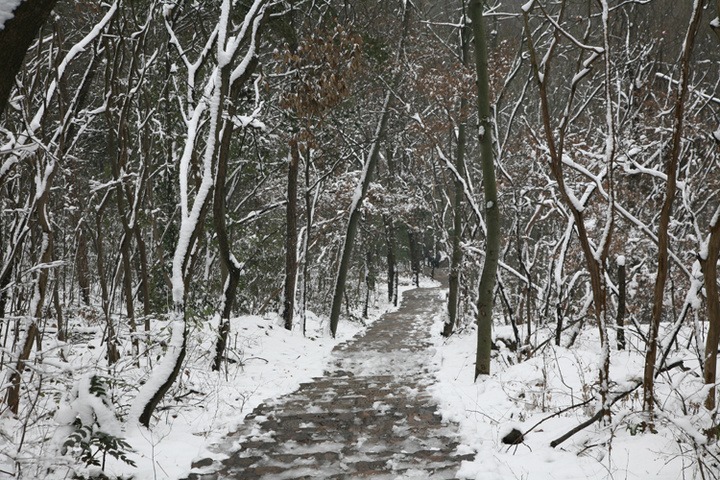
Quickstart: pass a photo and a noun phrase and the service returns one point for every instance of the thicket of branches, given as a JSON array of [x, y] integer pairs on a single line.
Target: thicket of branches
[[175, 161]]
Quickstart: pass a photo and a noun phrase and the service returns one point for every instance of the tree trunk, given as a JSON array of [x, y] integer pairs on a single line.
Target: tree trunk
[[174, 358], [61, 327], [83, 271], [15, 38], [361, 189], [46, 173], [709, 270], [110, 338], [309, 217], [414, 256], [390, 240], [663, 234], [291, 237], [621, 304], [144, 276], [492, 211], [230, 267], [369, 281], [454, 277]]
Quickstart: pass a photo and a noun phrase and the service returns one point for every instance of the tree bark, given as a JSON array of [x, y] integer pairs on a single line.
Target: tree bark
[[83, 271], [708, 265], [621, 305], [390, 240], [456, 259], [492, 211], [414, 256], [230, 268], [291, 237]]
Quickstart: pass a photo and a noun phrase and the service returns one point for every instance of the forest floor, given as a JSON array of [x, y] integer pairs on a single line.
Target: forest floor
[[369, 416], [389, 398]]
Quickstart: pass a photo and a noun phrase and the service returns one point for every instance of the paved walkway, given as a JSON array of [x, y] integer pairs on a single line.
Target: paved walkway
[[369, 417]]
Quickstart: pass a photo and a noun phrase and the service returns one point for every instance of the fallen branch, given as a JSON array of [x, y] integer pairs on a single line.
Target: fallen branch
[[600, 413]]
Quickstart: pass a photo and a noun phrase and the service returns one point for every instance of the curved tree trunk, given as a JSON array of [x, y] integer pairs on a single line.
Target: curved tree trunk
[[361, 190], [223, 77]]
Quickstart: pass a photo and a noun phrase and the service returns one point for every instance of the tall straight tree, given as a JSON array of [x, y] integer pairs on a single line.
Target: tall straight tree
[[708, 263], [321, 65], [492, 211], [456, 233]]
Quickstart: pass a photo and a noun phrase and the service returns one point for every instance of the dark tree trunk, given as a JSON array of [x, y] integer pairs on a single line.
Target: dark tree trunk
[[15, 38], [663, 228], [110, 339], [354, 217], [621, 306], [369, 281], [371, 161], [492, 210], [231, 270], [83, 271], [414, 257], [709, 270], [456, 259], [291, 237], [559, 326], [391, 262]]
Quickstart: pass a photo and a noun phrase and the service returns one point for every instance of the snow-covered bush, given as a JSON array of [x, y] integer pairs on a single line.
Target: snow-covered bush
[[89, 429]]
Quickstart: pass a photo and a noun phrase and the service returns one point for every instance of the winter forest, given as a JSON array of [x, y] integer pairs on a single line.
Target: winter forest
[[200, 199]]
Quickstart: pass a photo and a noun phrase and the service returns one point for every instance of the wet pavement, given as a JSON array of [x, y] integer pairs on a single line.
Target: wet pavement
[[370, 416]]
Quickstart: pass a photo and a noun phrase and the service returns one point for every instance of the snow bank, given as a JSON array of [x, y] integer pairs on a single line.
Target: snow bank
[[521, 395]]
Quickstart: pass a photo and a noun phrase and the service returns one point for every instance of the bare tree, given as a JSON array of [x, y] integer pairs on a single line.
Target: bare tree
[[663, 233], [233, 55]]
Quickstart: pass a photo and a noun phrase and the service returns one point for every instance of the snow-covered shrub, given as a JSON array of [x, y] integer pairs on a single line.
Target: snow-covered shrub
[[89, 429]]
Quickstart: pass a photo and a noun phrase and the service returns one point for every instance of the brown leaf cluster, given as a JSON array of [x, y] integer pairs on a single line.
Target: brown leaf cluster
[[322, 66]]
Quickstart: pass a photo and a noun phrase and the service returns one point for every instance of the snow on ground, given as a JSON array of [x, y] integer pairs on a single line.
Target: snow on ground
[[202, 406], [272, 362], [268, 361], [521, 395]]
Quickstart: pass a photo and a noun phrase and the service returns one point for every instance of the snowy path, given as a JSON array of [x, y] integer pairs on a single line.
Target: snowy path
[[370, 417]]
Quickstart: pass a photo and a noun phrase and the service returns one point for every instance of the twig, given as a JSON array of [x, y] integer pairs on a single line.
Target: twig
[[600, 413]]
